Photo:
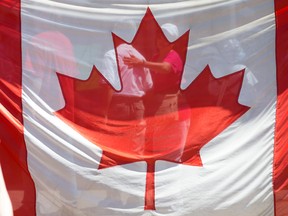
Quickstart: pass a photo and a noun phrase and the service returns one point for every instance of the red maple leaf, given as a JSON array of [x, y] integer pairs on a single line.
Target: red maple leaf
[[206, 108]]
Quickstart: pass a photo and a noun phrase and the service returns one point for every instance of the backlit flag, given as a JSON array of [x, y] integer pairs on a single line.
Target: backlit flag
[[144, 107]]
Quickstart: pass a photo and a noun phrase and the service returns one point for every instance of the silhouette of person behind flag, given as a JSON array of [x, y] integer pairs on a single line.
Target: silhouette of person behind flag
[[166, 70], [127, 104]]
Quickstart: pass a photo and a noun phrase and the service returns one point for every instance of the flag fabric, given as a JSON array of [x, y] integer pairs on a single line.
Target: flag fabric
[[144, 107], [5, 205]]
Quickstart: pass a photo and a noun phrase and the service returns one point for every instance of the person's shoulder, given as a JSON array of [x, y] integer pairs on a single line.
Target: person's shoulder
[[126, 50], [173, 56], [136, 53], [110, 53], [123, 49], [173, 53]]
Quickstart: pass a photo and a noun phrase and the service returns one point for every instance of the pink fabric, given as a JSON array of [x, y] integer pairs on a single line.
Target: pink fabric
[[169, 83], [174, 59]]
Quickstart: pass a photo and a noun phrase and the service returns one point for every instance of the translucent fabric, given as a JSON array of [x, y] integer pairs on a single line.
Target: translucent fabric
[[149, 107]]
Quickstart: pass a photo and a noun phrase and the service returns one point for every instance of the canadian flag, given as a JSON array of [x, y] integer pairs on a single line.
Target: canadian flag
[[144, 107]]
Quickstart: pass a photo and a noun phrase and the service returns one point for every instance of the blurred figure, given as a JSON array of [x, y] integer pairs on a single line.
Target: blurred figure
[[232, 51], [167, 132], [126, 107], [234, 58], [47, 53], [128, 103]]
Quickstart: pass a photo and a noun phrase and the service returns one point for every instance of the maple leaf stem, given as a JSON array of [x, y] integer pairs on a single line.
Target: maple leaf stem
[[150, 186]]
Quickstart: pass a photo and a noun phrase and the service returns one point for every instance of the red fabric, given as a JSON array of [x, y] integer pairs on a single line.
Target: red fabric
[[280, 177], [12, 148]]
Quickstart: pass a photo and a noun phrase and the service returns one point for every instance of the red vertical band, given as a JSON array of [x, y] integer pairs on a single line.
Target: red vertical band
[[280, 177], [150, 187], [13, 153]]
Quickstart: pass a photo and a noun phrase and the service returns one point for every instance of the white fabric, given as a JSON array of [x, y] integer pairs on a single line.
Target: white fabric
[[236, 176], [5, 202], [170, 31]]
